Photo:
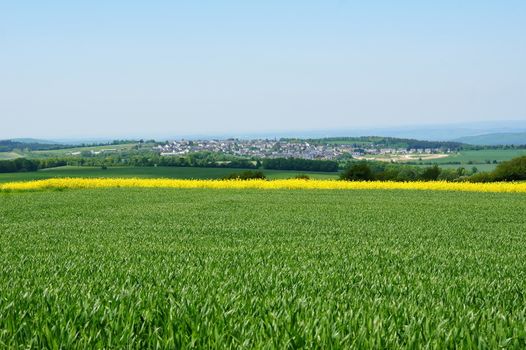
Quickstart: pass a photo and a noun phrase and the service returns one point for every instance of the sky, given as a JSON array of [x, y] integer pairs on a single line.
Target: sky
[[126, 68]]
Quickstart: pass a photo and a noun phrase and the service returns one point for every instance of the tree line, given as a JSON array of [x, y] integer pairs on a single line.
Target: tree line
[[23, 165], [204, 159], [377, 171], [512, 170]]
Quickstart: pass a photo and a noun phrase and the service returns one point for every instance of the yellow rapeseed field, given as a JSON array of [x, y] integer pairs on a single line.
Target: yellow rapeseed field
[[82, 183]]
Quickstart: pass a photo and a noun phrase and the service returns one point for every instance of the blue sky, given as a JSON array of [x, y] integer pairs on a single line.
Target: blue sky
[[159, 68]]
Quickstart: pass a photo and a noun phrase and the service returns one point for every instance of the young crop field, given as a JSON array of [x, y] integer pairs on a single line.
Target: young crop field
[[205, 268], [150, 172]]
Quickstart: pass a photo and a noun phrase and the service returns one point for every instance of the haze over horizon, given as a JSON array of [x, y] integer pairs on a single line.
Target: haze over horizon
[[99, 69]]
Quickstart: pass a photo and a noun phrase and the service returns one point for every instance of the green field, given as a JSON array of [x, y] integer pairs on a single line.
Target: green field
[[481, 157], [67, 152], [483, 160], [480, 167], [159, 268], [150, 172], [9, 155]]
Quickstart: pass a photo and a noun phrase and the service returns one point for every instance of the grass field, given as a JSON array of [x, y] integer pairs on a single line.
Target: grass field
[[66, 152], [145, 268], [480, 158], [149, 172], [9, 155]]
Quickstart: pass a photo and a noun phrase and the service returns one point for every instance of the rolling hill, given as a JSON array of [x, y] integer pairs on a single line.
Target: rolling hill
[[518, 138]]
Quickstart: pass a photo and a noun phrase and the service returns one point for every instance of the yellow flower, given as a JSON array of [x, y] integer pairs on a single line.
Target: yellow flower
[[293, 184]]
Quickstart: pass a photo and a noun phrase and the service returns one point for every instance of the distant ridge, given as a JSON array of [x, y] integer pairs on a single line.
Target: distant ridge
[[32, 144], [30, 140], [476, 133], [494, 139]]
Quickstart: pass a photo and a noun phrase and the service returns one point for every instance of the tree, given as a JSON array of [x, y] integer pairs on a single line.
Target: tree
[[449, 174], [407, 174], [431, 173], [359, 171], [245, 175], [19, 164], [512, 170]]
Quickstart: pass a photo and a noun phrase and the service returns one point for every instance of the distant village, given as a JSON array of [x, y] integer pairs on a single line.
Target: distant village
[[264, 148]]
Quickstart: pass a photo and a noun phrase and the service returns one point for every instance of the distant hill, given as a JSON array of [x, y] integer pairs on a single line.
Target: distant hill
[[34, 141], [429, 132], [11, 145], [503, 138]]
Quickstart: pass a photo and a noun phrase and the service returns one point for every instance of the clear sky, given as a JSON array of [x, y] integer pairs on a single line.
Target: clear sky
[[103, 68]]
